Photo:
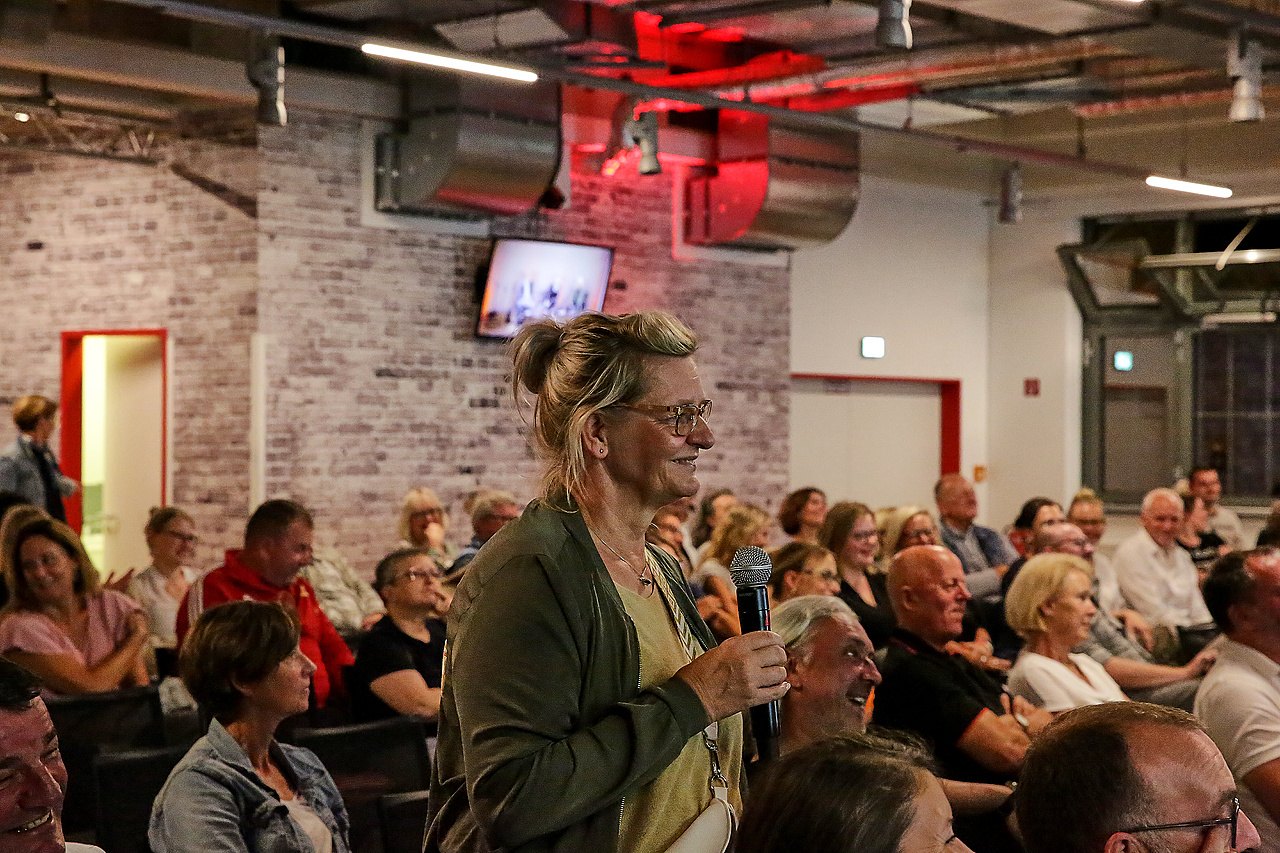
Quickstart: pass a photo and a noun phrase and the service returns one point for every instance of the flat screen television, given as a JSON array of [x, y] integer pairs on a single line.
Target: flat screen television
[[531, 279]]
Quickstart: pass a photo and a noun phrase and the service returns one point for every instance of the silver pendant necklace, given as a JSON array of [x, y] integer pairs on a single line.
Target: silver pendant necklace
[[645, 581]]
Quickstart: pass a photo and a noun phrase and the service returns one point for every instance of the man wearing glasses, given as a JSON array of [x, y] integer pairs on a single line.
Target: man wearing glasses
[[1239, 701], [1127, 777]]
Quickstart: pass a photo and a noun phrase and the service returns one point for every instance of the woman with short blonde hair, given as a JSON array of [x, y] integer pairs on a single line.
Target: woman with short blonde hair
[[425, 524], [1050, 605]]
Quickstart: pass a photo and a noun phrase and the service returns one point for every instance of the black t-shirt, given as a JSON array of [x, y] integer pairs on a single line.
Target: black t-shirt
[[876, 618], [387, 649], [1204, 554]]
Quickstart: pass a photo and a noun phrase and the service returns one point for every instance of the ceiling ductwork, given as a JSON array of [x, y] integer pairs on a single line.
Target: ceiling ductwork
[[470, 146], [774, 186]]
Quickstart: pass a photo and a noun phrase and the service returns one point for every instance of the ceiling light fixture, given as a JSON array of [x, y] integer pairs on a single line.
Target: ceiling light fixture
[[435, 60], [1010, 210], [1188, 187], [21, 116]]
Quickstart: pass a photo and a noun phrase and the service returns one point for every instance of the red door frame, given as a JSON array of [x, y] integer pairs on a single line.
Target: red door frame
[[71, 408], [949, 397]]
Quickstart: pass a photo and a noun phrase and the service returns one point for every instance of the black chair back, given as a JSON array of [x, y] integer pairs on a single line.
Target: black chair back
[[125, 785], [93, 723], [368, 760], [403, 819]]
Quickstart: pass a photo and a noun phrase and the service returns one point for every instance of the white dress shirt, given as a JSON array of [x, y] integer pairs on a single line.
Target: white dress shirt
[[1160, 583]]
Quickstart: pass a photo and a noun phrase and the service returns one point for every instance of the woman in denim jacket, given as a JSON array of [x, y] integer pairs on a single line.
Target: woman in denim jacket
[[237, 789]]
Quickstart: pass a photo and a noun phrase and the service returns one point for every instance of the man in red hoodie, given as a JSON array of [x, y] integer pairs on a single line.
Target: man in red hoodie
[[277, 546]]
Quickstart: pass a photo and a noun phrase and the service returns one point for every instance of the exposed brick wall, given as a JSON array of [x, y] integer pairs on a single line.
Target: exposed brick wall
[[131, 247], [378, 384], [375, 382]]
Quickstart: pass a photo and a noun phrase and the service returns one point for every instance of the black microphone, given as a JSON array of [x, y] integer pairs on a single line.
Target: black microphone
[[750, 571]]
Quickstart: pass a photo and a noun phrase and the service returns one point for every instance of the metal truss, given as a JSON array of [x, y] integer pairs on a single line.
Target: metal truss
[[61, 131]]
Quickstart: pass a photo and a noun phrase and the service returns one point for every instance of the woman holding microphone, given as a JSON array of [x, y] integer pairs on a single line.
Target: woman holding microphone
[[585, 706]]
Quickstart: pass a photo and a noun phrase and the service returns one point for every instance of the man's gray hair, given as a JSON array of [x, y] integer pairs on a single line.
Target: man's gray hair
[[1163, 492], [796, 619], [487, 503]]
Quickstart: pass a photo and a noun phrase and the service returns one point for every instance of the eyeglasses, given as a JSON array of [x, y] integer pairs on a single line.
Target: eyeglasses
[[864, 536], [926, 533], [184, 538], [428, 512], [420, 575], [1232, 822], [822, 576], [683, 418]]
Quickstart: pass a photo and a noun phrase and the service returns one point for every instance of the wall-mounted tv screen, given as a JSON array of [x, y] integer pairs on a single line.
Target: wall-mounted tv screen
[[532, 279]]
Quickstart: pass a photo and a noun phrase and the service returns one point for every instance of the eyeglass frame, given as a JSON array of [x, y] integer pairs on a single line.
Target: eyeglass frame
[[184, 538], [419, 574], [701, 411], [1233, 822]]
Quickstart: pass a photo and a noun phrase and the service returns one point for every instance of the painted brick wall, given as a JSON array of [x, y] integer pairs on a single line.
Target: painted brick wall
[[375, 383], [130, 247], [378, 384]]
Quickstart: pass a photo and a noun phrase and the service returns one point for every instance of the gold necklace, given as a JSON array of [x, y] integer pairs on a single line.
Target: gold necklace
[[645, 582]]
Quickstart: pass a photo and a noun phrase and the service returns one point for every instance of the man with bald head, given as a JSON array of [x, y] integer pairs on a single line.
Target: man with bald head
[[1156, 575], [975, 733], [1126, 777]]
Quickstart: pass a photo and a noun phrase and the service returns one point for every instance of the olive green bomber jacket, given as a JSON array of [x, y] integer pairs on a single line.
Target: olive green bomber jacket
[[543, 730]]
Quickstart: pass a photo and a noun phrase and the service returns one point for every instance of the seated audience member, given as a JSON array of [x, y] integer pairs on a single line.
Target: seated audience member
[[902, 527], [1121, 641], [33, 778], [1205, 484], [1239, 701], [398, 666], [237, 788], [1157, 577], [424, 524], [1269, 536], [277, 547], [976, 732], [11, 501], [849, 794], [1051, 607], [161, 586], [667, 534], [345, 597], [744, 524], [1202, 544], [833, 676], [850, 533], [1127, 777], [490, 512], [801, 568], [802, 513], [984, 553], [1088, 512], [60, 623], [1035, 515], [712, 511]]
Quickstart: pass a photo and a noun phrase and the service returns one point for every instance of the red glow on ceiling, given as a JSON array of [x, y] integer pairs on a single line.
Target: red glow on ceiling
[[728, 34], [824, 101], [686, 28]]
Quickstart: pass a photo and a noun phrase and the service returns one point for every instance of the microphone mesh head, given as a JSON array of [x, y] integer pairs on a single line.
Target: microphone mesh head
[[750, 567]]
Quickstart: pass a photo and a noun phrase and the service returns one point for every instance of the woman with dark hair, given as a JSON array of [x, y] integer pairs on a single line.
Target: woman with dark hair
[[849, 794], [161, 586], [850, 533], [1035, 514], [802, 513], [237, 788], [585, 706], [60, 623]]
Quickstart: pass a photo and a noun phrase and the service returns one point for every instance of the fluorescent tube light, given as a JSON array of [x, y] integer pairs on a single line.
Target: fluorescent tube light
[[449, 62], [1187, 187]]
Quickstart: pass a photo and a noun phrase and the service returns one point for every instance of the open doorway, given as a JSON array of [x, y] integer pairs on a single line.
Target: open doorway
[[114, 442]]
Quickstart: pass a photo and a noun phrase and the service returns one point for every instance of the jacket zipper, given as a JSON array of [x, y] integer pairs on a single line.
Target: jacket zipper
[[622, 805]]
